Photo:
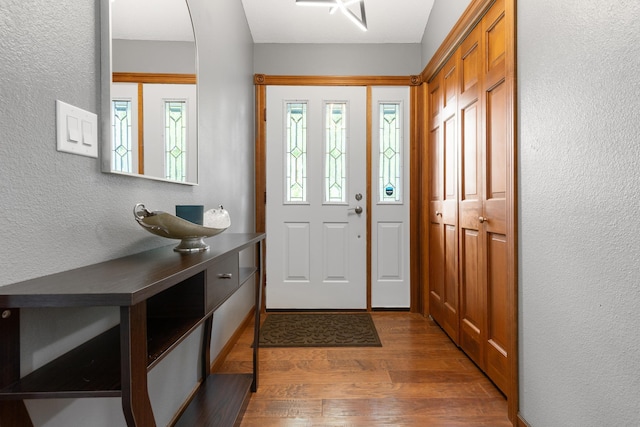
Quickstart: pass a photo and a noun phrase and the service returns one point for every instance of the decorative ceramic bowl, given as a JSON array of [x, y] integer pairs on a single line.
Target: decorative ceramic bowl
[[191, 235]]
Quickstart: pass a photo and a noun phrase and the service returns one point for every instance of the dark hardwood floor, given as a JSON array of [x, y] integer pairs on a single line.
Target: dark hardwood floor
[[417, 378]]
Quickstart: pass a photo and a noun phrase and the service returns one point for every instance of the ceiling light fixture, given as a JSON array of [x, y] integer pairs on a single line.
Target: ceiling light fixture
[[343, 6]]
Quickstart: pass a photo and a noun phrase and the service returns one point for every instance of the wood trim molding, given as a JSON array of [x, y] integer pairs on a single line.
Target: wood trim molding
[[460, 30], [369, 121], [267, 80], [260, 160], [154, 78], [415, 141], [140, 129], [261, 157], [512, 273]]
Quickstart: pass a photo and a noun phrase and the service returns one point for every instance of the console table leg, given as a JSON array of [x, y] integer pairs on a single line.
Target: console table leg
[[256, 320], [206, 348], [13, 413], [133, 361]]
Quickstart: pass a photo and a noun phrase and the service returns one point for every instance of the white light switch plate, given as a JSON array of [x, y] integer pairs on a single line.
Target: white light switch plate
[[77, 130]]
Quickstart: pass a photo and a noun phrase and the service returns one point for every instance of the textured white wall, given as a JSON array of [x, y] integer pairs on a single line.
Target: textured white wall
[[579, 202], [159, 56], [58, 211], [337, 59]]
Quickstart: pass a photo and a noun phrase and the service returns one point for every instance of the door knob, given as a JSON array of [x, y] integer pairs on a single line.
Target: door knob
[[438, 213], [483, 219], [357, 209]]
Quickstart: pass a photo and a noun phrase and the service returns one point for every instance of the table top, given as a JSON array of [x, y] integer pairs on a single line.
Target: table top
[[123, 281]]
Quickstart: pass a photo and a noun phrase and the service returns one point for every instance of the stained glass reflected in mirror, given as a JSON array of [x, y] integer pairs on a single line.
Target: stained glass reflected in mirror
[[121, 155], [175, 140]]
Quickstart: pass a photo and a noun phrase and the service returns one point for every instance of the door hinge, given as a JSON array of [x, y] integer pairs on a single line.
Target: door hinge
[[265, 197], [264, 114]]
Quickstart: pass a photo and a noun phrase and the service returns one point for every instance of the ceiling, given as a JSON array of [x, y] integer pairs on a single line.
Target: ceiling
[[151, 20], [388, 21], [278, 21]]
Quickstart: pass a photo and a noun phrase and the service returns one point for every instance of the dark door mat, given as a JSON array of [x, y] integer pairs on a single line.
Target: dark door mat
[[319, 330]]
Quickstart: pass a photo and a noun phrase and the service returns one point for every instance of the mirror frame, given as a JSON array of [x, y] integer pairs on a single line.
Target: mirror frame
[[106, 79]]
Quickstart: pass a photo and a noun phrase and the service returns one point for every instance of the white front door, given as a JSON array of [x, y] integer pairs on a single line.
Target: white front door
[[316, 189]]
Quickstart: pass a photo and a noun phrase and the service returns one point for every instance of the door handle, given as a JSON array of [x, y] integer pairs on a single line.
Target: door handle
[[357, 209], [438, 213], [225, 276], [483, 219]]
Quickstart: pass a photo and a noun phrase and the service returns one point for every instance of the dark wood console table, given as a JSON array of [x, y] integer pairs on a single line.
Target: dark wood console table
[[163, 296]]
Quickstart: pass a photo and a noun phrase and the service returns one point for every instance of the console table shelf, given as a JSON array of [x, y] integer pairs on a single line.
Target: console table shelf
[[163, 297], [90, 370], [231, 391]]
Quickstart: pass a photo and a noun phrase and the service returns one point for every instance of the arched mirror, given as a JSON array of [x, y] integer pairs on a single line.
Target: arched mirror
[[149, 90]]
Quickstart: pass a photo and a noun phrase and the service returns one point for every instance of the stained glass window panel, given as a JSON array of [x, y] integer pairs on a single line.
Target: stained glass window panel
[[122, 143], [175, 139], [335, 163], [390, 154], [296, 153]]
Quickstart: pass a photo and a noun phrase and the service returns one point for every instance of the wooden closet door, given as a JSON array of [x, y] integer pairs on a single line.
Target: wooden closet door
[[498, 166], [444, 202], [473, 294], [472, 212]]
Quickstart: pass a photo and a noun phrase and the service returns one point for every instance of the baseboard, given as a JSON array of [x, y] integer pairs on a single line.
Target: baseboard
[[217, 364], [522, 422]]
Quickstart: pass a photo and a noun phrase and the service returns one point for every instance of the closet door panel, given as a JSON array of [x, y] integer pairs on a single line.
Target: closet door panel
[[472, 297], [436, 271], [496, 159], [496, 363], [450, 319], [470, 64], [495, 38], [470, 167], [450, 178]]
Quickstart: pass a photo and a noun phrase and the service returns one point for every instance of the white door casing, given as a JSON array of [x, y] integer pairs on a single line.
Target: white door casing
[[316, 256]]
